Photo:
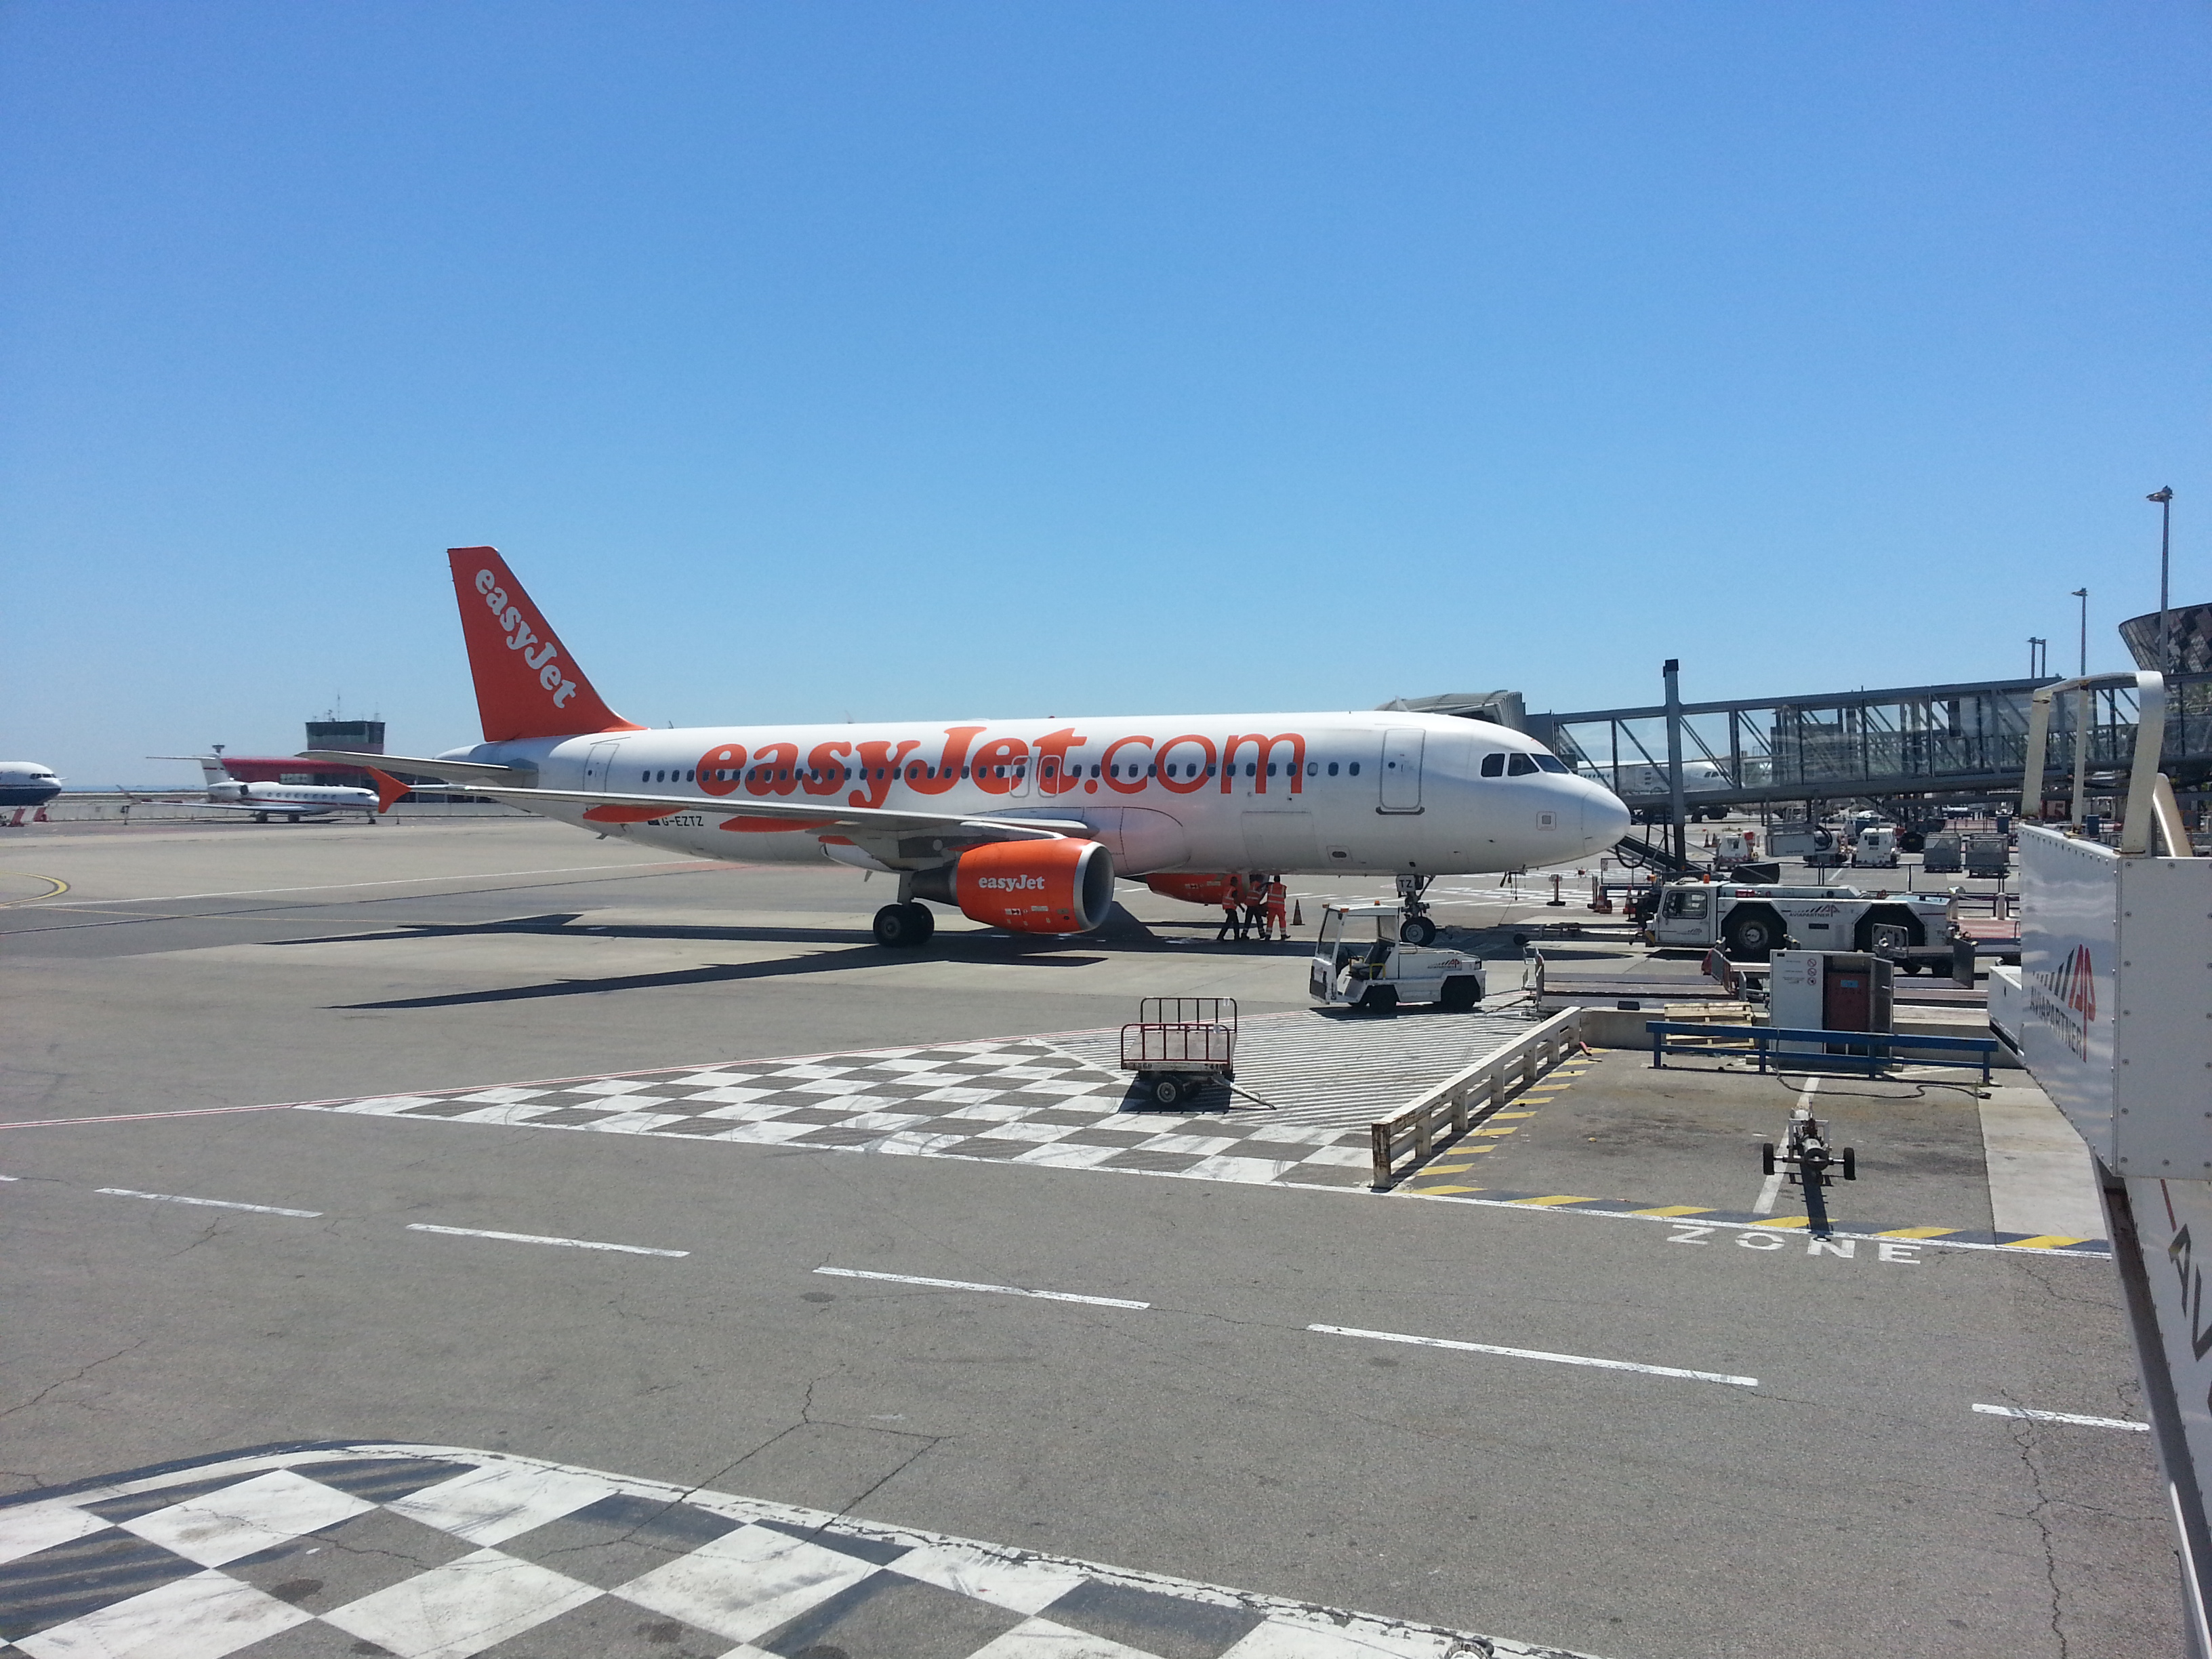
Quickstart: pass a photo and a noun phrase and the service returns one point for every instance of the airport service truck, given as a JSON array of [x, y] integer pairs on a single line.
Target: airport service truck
[[1875, 848], [1361, 960], [1750, 923]]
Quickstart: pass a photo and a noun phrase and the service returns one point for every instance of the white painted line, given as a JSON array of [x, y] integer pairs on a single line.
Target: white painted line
[[1771, 1189], [535, 1238], [995, 1290], [1538, 1353], [401, 881], [1770, 1192], [2062, 1417], [211, 1203], [133, 1117]]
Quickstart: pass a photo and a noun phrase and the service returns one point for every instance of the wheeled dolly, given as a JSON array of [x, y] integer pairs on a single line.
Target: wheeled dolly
[[1807, 1156]]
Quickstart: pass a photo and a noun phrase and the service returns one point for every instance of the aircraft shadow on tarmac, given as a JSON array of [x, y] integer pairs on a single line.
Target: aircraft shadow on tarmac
[[993, 947]]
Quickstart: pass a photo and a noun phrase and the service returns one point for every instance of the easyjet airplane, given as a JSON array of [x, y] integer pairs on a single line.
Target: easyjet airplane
[[1022, 824]]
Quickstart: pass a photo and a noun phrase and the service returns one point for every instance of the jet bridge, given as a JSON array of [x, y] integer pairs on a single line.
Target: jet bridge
[[1959, 739], [2117, 1028]]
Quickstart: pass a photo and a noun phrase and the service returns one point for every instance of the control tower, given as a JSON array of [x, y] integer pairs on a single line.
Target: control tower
[[359, 737]]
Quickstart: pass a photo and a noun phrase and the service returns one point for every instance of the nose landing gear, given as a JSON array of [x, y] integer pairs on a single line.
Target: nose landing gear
[[1415, 926]]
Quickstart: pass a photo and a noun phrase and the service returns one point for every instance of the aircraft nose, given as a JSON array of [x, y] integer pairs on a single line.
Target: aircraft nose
[[1605, 820]]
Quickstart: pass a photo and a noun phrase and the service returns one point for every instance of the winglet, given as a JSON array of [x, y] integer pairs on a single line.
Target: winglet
[[527, 685], [389, 789]]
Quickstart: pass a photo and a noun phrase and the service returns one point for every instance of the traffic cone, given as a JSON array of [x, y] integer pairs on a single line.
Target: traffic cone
[[1298, 914]]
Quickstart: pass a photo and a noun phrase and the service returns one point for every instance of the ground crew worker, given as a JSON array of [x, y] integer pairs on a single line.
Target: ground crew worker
[[1255, 905], [1232, 917], [1278, 913]]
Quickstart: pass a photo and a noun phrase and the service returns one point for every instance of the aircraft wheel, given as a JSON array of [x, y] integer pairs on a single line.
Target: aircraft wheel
[[1418, 930], [896, 929], [924, 920]]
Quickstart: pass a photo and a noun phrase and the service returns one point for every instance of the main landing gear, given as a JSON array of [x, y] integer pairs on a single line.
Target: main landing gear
[[1415, 927], [904, 927]]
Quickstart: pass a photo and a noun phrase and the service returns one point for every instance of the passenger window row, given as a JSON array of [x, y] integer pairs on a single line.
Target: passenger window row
[[1187, 769]]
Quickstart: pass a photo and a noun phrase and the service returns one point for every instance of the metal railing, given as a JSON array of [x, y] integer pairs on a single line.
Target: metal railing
[[1878, 1047], [1467, 1097], [1144, 1046]]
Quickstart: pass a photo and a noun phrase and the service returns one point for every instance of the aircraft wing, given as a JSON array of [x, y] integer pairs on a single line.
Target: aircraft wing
[[465, 773], [607, 807]]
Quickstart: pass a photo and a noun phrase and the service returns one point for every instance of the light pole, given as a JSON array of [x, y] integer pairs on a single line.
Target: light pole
[[2165, 500], [2035, 657], [2083, 594], [1675, 816]]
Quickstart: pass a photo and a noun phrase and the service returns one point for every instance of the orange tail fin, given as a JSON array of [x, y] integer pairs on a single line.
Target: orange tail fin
[[389, 789], [527, 685]]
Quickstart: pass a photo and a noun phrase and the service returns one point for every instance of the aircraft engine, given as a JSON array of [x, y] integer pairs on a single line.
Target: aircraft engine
[[1027, 886]]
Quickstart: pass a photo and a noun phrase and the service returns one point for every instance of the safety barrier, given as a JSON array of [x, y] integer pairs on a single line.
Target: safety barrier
[[1469, 1097], [1875, 1047]]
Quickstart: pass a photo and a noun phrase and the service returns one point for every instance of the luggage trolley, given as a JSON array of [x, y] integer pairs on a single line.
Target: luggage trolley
[[1177, 1043]]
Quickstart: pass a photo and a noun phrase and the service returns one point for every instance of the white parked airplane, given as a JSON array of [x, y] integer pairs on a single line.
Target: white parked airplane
[[1024, 824], [1643, 781], [290, 801], [28, 783]]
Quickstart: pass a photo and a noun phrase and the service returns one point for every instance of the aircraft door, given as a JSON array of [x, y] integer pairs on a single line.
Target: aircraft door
[[599, 765], [1402, 769]]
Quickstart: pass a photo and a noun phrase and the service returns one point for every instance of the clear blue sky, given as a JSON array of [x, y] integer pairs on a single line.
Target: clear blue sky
[[811, 360]]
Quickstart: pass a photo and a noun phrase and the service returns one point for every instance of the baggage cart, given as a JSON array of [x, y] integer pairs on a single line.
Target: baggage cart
[[1176, 1045], [1939, 854], [1988, 855]]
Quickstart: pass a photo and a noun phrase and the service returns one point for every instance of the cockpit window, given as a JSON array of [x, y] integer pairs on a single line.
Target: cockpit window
[[1494, 766], [1520, 766], [1550, 763]]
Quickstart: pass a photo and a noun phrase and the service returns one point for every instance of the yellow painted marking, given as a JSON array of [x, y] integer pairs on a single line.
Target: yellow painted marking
[[1556, 1198], [1499, 1114], [1917, 1233], [1676, 1209], [1447, 1168], [1488, 1130], [2043, 1241], [1445, 1189], [1786, 1221], [57, 886]]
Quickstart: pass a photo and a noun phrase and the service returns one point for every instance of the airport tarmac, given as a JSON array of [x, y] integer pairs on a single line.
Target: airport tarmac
[[1614, 1435]]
